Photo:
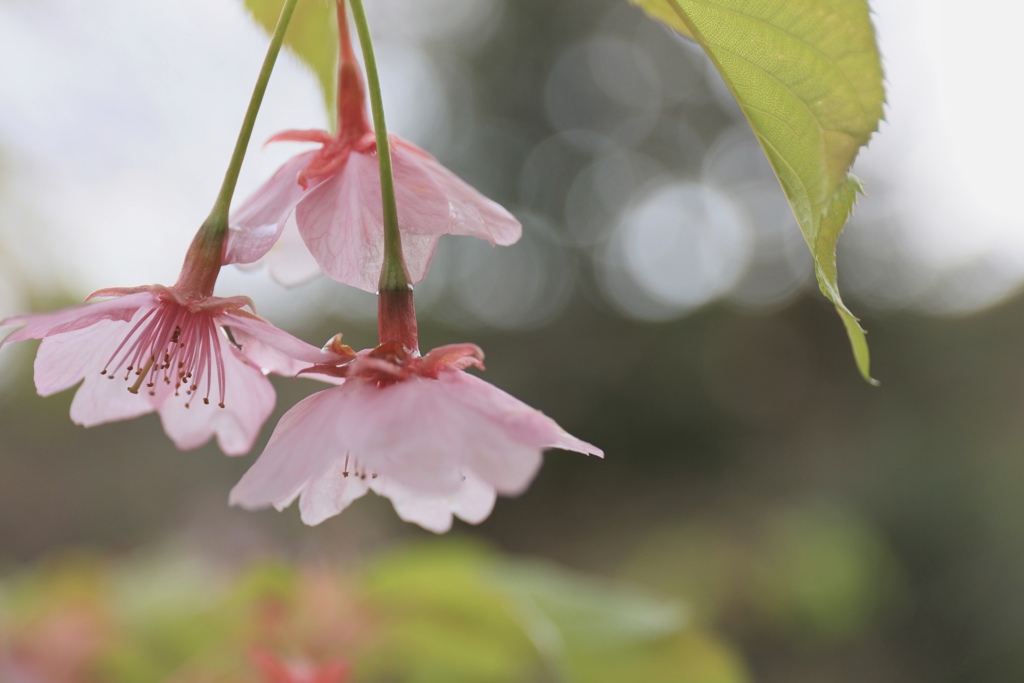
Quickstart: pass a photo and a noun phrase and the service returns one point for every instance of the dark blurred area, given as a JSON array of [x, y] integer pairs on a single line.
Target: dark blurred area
[[830, 530]]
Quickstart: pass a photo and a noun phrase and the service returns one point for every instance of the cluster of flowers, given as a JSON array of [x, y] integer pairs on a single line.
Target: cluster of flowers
[[415, 428]]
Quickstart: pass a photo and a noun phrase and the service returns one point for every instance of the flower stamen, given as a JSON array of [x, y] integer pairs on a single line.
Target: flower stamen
[[176, 345], [356, 470]]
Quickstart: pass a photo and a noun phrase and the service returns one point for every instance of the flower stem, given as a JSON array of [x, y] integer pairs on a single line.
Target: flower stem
[[219, 214], [203, 260], [393, 276]]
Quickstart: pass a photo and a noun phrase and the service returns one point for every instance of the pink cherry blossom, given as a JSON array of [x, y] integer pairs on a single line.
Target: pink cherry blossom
[[160, 349], [420, 431], [322, 209]]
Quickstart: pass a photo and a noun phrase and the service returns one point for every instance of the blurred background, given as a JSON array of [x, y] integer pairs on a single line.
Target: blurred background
[[661, 304]]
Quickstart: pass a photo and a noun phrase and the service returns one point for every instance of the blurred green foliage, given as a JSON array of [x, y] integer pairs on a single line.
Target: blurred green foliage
[[444, 612], [813, 573]]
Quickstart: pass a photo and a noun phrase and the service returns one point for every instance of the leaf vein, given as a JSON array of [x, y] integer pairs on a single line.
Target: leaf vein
[[826, 58]]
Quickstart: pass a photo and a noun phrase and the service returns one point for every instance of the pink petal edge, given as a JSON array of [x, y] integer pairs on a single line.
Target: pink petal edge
[[39, 325], [270, 348], [255, 226], [470, 212]]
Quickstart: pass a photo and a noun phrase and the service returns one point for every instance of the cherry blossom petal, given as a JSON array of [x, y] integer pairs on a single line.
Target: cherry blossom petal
[[360, 426], [249, 400], [451, 356], [407, 431], [428, 429], [470, 212], [66, 359], [328, 494], [423, 207], [289, 262], [418, 251], [507, 466], [101, 400], [302, 447], [342, 224], [62, 361], [270, 348], [256, 225], [432, 512], [475, 500], [522, 422], [341, 219], [39, 325], [472, 502], [301, 135]]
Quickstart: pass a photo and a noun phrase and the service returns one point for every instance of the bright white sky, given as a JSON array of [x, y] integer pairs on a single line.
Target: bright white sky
[[951, 149], [117, 118]]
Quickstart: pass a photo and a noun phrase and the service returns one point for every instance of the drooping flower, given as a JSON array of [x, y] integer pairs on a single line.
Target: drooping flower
[[164, 349], [322, 209], [420, 431]]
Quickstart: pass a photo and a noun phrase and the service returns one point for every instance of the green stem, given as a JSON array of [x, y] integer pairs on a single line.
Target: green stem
[[219, 214], [203, 259], [393, 276]]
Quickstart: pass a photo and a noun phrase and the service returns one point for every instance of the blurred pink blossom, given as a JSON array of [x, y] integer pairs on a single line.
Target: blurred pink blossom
[[61, 645], [322, 209], [276, 670]]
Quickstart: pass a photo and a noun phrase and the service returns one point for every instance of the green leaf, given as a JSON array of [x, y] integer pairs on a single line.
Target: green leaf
[[665, 12], [311, 36], [581, 626], [824, 250], [687, 656], [437, 621], [588, 613], [808, 77]]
